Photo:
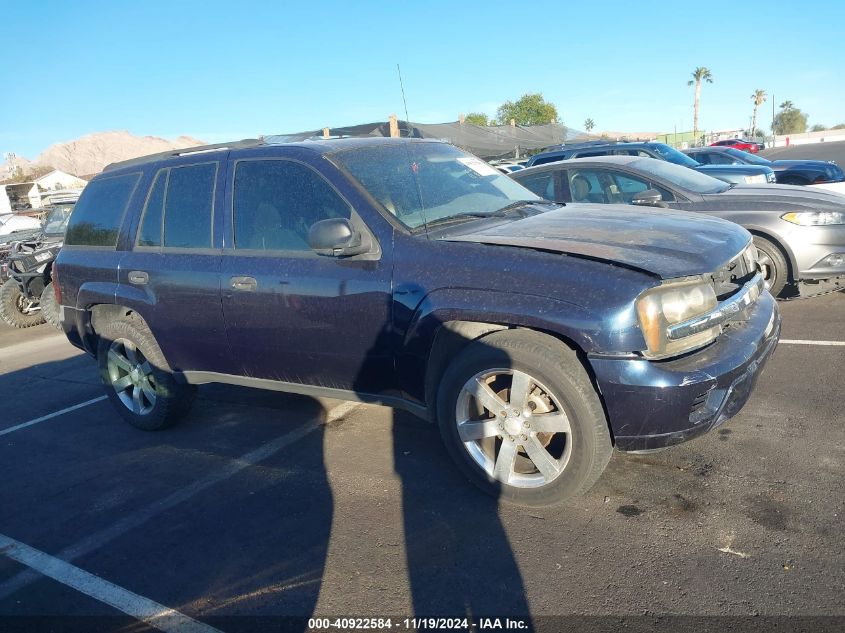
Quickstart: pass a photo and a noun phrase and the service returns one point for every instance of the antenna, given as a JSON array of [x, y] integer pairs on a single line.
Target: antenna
[[402, 86]]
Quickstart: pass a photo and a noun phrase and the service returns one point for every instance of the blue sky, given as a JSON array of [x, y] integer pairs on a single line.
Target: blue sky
[[221, 70]]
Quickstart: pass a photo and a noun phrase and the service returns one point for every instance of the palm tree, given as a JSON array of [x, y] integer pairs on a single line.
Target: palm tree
[[589, 124], [698, 75], [758, 98], [786, 106]]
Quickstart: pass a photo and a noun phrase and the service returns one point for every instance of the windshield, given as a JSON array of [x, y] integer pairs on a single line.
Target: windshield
[[420, 183], [747, 157], [57, 220], [684, 178], [673, 155]]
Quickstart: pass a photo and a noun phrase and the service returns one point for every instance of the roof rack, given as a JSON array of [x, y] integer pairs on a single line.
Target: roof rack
[[187, 151]]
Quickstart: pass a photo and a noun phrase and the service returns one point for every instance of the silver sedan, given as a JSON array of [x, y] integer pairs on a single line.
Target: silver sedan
[[799, 233]]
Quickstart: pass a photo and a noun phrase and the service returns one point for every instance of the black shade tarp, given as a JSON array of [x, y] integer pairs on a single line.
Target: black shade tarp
[[488, 142]]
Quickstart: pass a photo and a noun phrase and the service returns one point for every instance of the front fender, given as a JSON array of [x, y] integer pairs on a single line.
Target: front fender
[[586, 328]]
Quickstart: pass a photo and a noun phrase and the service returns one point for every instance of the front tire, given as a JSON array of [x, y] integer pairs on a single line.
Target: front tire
[[137, 378], [16, 309], [520, 417], [774, 265]]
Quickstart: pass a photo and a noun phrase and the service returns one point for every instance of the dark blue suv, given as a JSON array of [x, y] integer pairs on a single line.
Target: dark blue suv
[[409, 273]]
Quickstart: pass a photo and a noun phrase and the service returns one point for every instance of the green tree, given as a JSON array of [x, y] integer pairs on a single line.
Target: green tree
[[529, 109], [790, 120], [758, 97], [477, 118], [839, 126], [818, 127], [589, 124], [698, 75]]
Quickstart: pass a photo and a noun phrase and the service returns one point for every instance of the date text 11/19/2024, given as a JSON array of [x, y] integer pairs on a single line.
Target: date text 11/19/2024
[[418, 624]]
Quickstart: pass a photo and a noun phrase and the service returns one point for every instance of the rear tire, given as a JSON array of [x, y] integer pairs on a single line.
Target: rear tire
[[137, 378], [17, 310], [774, 264], [49, 307], [552, 442]]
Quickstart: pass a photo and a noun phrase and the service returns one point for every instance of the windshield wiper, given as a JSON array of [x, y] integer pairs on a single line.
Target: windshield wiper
[[518, 204], [498, 213], [460, 217]]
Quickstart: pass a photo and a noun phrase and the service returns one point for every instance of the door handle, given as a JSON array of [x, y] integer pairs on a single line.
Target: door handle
[[244, 283], [138, 277]]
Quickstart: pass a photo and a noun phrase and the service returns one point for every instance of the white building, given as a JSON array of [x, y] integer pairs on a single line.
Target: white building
[[37, 192]]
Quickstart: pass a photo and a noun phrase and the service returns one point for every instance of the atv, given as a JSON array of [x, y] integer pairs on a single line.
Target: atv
[[27, 297]]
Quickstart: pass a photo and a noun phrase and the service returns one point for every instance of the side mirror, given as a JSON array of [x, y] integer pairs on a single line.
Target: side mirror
[[648, 198], [335, 238]]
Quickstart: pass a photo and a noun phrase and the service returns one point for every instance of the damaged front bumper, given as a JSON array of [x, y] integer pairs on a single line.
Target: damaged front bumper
[[654, 404]]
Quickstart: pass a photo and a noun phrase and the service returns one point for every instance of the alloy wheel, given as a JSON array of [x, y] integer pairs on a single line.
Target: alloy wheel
[[514, 428], [131, 376]]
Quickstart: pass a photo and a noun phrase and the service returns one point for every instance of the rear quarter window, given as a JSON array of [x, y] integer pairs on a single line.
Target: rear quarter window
[[97, 217]]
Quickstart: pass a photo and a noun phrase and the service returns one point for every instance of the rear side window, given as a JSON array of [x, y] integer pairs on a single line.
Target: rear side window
[[97, 217], [542, 184], [592, 154], [150, 234], [277, 201], [548, 159], [188, 205]]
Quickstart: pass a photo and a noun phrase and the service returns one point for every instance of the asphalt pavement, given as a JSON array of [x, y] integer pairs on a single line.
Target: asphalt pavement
[[261, 506]]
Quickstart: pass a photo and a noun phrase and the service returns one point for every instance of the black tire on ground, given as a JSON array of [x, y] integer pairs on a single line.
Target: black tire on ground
[[172, 399], [12, 304], [559, 369], [775, 266], [49, 306]]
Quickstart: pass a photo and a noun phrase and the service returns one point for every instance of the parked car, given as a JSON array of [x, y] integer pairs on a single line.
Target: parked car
[[739, 174], [27, 297], [410, 273], [799, 232], [13, 222], [738, 143], [787, 172]]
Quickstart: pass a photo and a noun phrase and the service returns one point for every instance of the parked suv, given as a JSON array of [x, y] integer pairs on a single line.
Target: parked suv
[[736, 174], [409, 273]]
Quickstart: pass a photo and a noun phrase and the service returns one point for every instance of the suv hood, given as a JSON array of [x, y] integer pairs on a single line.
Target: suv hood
[[748, 170], [802, 163], [776, 197], [661, 242]]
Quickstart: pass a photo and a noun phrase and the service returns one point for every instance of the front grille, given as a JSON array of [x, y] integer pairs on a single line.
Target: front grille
[[731, 277]]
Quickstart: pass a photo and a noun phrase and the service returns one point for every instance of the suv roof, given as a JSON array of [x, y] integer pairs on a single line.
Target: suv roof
[[320, 145]]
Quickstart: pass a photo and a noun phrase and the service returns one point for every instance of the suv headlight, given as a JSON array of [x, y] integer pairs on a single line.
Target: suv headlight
[[674, 302], [814, 218]]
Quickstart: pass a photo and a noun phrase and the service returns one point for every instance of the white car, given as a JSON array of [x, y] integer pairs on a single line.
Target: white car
[[11, 222]]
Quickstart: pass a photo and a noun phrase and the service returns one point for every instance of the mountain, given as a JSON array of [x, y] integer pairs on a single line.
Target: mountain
[[90, 153]]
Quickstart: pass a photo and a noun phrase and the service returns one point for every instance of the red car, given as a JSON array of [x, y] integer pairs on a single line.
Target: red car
[[738, 143]]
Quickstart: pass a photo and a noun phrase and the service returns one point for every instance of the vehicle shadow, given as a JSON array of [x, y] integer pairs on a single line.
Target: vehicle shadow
[[267, 516], [460, 562]]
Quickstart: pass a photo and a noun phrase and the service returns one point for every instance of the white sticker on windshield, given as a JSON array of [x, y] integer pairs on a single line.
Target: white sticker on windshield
[[478, 166]]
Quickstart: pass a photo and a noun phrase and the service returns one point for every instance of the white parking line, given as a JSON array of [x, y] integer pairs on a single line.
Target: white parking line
[[50, 416], [135, 519], [792, 341], [144, 609]]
